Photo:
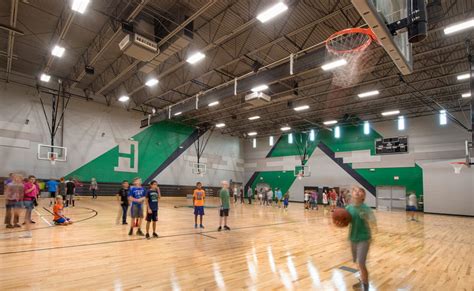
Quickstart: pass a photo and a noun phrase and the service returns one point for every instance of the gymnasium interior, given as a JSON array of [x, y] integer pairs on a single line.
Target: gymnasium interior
[[281, 101]]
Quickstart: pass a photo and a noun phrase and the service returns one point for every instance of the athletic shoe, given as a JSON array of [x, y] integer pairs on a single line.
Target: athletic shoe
[[357, 286], [201, 226], [195, 226], [155, 235], [32, 221], [220, 228], [124, 223], [130, 232], [226, 227], [140, 233], [10, 226], [17, 225], [147, 236]]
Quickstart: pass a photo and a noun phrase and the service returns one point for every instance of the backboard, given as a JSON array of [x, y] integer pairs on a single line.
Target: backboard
[[302, 171], [378, 14], [199, 169], [52, 153]]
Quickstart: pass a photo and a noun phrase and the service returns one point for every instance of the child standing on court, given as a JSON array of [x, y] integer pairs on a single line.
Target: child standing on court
[[58, 216], [94, 187], [198, 201], [279, 196], [13, 196], [152, 197], [286, 200], [412, 206], [225, 205], [122, 197], [70, 191], [360, 234], [136, 197], [325, 199]]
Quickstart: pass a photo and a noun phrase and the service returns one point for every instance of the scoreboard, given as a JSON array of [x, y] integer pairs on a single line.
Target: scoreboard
[[392, 145]]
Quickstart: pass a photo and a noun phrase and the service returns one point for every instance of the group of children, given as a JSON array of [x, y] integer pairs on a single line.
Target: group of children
[[266, 196], [331, 198]]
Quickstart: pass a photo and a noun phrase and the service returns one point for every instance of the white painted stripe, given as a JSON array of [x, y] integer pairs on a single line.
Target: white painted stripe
[[41, 216]]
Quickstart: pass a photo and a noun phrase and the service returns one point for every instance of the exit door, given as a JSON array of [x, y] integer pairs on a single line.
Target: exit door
[[391, 198]]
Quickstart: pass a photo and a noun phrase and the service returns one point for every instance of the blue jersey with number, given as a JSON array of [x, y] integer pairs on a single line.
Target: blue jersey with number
[[137, 193]]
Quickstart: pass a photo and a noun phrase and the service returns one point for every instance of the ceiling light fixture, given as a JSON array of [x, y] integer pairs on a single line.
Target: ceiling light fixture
[[459, 26], [124, 98], [272, 12], [58, 51], [45, 77], [312, 135], [151, 82], [259, 88], [80, 5], [196, 57], [178, 113], [219, 125], [254, 117], [301, 108], [213, 103], [253, 133], [285, 128], [368, 94], [463, 77], [392, 112], [333, 65], [466, 95], [330, 122]]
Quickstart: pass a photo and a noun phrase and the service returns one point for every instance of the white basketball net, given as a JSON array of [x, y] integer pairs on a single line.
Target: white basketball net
[[457, 167]]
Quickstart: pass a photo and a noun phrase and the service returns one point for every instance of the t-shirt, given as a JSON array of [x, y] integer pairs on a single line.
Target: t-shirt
[[270, 194], [152, 196], [57, 211], [137, 193], [412, 200], [70, 186], [278, 194], [333, 195], [360, 229], [249, 192], [52, 185], [306, 196], [198, 196], [225, 197], [62, 188], [28, 196], [14, 191], [123, 193], [325, 198]]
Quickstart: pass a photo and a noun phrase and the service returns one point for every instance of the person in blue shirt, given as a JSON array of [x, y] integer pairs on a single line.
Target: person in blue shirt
[[152, 197], [52, 186], [279, 196], [136, 197]]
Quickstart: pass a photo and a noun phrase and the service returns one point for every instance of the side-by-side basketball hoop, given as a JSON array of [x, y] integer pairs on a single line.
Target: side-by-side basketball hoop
[[52, 153], [457, 166]]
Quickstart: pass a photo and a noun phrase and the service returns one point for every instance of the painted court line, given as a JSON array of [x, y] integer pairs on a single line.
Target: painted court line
[[41, 216]]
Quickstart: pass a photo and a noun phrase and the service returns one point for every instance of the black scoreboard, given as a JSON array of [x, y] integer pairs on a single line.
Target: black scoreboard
[[392, 145]]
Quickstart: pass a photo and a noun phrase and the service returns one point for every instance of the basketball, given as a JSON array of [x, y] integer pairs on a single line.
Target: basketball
[[341, 217]]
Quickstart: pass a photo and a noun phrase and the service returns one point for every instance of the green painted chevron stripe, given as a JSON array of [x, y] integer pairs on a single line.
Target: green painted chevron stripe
[[138, 156]]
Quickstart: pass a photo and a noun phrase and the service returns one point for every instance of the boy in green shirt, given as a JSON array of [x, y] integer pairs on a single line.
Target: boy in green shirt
[[360, 233], [225, 205]]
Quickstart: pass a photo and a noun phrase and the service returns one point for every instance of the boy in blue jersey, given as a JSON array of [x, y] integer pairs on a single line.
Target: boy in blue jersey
[[152, 197], [52, 186], [136, 197]]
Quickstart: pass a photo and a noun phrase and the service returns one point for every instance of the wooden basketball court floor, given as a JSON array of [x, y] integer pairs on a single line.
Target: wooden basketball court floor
[[266, 249]]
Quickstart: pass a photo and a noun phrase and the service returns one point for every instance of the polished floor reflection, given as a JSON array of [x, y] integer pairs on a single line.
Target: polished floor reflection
[[267, 248]]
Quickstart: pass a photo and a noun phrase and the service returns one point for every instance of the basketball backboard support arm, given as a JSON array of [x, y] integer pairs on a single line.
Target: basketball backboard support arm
[[470, 59]]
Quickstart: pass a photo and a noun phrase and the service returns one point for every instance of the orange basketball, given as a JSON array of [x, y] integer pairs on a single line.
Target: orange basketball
[[341, 217]]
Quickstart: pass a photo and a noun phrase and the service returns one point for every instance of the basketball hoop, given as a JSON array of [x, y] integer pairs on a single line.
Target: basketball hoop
[[457, 166], [351, 44], [52, 159]]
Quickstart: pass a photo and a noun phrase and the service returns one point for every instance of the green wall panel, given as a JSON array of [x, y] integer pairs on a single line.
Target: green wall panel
[[283, 148], [410, 177], [352, 139], [155, 144], [276, 179]]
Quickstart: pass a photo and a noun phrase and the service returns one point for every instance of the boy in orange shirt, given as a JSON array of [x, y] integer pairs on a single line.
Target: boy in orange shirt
[[59, 218], [198, 202]]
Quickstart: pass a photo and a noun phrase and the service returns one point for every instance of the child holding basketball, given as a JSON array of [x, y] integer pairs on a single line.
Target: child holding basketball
[[58, 216], [136, 197], [152, 197], [362, 219], [225, 205], [198, 201]]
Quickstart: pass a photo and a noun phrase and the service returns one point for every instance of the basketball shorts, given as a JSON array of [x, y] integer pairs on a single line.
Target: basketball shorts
[[61, 220], [411, 208], [153, 216], [136, 211], [52, 194], [359, 251], [198, 210], [224, 212]]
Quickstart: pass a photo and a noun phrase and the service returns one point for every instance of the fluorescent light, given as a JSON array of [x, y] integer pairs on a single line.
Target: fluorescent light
[[368, 94], [330, 122], [254, 117], [58, 51], [153, 110], [401, 123], [213, 103], [366, 128], [219, 125], [253, 133], [80, 5], [151, 82], [459, 26], [337, 132], [272, 12], [301, 108], [393, 112], [270, 140], [333, 65], [254, 143], [124, 98], [196, 57], [311, 135], [466, 95], [285, 128], [443, 117], [463, 77], [259, 88], [45, 77], [178, 113], [290, 138]]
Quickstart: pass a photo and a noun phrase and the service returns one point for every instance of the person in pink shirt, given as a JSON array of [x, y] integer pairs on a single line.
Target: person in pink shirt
[[30, 195]]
